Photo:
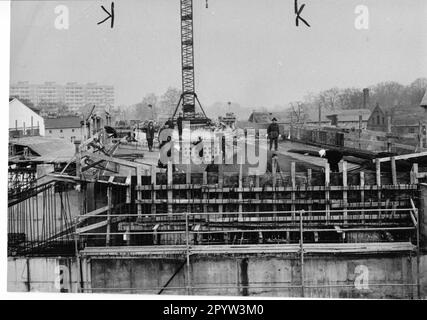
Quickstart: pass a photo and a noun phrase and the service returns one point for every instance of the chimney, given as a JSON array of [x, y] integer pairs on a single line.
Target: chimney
[[365, 98]]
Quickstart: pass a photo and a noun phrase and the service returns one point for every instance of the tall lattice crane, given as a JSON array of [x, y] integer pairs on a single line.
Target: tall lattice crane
[[188, 97]]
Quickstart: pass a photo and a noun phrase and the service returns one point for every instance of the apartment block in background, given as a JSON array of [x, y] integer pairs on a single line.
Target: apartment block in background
[[50, 96]]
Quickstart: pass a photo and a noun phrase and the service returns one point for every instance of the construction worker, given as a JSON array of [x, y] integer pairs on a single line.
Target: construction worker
[[169, 123], [333, 156], [273, 133], [150, 135]]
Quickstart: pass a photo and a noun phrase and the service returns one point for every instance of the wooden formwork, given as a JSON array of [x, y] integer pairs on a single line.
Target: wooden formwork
[[215, 203], [164, 207]]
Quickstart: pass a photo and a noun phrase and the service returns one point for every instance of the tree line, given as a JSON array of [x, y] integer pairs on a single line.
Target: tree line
[[388, 95]]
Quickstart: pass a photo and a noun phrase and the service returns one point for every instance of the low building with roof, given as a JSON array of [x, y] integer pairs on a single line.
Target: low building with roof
[[423, 103], [24, 120], [378, 120], [351, 118], [67, 127], [408, 120]]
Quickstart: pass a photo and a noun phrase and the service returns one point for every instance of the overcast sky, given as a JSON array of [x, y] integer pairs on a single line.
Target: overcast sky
[[246, 51]]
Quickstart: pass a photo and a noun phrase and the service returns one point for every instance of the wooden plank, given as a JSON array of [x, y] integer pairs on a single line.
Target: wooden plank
[[205, 196], [215, 189], [261, 223], [109, 200], [393, 171], [93, 213], [155, 235], [240, 187], [315, 248], [274, 177], [414, 173], [153, 191], [378, 182], [91, 227], [331, 203], [220, 184], [344, 181], [188, 181], [362, 192], [421, 175], [67, 178], [414, 221], [257, 193], [327, 183], [78, 158], [393, 177], [170, 182], [128, 189], [138, 192], [309, 177], [378, 172], [293, 183], [112, 159], [274, 170], [402, 157]]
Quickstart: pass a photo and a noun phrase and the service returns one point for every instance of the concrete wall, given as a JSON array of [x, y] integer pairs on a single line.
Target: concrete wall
[[261, 275], [381, 276], [41, 275]]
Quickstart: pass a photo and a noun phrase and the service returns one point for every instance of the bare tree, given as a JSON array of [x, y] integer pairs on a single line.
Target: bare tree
[[169, 100], [389, 94], [328, 99], [297, 113], [417, 90], [142, 110], [350, 98]]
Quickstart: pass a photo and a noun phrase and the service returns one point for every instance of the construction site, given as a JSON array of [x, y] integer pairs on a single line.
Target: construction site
[[110, 215]]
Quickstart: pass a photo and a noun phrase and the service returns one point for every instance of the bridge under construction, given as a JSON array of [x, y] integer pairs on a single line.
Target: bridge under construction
[[111, 219], [124, 225]]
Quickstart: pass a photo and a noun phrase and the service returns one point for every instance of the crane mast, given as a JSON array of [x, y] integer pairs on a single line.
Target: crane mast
[[188, 97], [187, 56]]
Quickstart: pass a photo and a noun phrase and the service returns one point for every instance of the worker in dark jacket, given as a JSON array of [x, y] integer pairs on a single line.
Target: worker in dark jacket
[[273, 133], [150, 135], [333, 156], [169, 123]]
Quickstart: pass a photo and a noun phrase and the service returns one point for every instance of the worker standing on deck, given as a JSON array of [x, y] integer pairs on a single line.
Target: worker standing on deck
[[273, 133], [333, 156], [150, 135]]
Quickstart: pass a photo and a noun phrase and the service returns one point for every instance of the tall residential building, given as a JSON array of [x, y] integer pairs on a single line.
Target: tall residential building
[[23, 90], [49, 93], [74, 95], [99, 94]]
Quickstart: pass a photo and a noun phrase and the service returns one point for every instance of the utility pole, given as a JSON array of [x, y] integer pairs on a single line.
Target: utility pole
[[152, 110], [360, 129], [388, 133]]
